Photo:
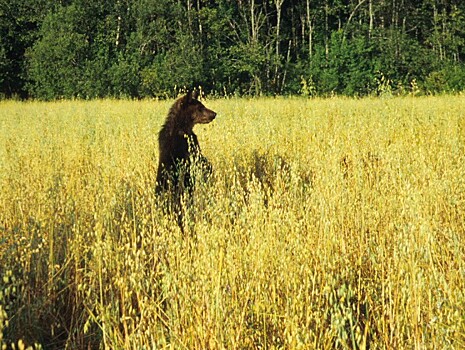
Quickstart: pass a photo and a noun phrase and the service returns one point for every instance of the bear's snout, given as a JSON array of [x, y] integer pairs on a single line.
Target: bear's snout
[[207, 116]]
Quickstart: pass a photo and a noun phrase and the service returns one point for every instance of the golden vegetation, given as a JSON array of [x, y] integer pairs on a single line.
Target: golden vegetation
[[329, 224]]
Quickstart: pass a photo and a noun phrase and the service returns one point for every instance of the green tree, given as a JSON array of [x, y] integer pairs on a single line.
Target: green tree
[[137, 48], [58, 58], [19, 24]]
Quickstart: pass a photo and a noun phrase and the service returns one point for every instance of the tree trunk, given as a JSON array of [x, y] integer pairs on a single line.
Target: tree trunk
[[370, 11], [200, 26], [278, 4], [310, 30], [288, 59], [189, 15], [252, 22], [118, 25], [326, 30]]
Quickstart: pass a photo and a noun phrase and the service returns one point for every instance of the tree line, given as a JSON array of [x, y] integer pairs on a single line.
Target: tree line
[[150, 48]]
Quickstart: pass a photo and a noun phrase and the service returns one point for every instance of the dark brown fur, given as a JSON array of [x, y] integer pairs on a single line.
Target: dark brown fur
[[178, 145]]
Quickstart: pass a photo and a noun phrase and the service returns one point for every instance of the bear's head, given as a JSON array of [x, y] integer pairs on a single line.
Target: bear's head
[[195, 110]]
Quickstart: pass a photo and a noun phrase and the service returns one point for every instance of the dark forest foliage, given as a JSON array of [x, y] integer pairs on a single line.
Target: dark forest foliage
[[144, 48]]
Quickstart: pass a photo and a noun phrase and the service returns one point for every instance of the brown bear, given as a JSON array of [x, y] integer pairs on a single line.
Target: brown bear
[[178, 146]]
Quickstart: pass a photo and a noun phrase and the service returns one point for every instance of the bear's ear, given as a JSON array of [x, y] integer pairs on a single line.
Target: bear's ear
[[190, 96], [186, 99]]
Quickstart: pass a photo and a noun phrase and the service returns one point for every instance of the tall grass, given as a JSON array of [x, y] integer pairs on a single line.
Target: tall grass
[[328, 224]]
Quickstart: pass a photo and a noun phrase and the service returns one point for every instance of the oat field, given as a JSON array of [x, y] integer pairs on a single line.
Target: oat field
[[328, 224]]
